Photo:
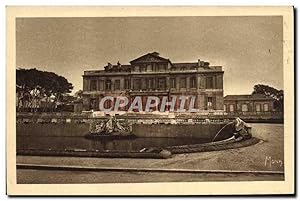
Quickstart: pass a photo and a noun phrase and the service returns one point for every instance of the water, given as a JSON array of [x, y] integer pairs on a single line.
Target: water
[[70, 143], [71, 136]]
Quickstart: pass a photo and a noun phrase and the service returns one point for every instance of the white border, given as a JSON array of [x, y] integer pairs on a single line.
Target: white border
[[106, 2]]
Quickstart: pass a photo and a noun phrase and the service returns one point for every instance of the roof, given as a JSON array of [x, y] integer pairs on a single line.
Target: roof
[[154, 57], [150, 57], [188, 65], [120, 67], [248, 97]]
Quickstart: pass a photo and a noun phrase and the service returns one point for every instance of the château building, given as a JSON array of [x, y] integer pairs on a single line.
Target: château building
[[153, 75]]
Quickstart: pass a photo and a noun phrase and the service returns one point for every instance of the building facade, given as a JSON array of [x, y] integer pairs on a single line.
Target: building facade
[[153, 75], [256, 103]]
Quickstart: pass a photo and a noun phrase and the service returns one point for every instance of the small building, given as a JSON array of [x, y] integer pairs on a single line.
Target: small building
[[255, 103]]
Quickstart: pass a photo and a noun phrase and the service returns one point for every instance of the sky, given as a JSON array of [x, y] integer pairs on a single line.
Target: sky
[[250, 49]]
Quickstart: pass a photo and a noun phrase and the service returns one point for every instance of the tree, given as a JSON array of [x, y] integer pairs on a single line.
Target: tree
[[35, 86], [276, 94]]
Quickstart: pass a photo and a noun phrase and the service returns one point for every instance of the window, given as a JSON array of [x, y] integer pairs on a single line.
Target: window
[[101, 85], [183, 82], [150, 83], [266, 107], [162, 83], [137, 68], [209, 103], [231, 108], [225, 108], [117, 85], [144, 68], [144, 84], [154, 67], [173, 83], [149, 67], [137, 84], [127, 84], [93, 85], [209, 82], [193, 82], [108, 85], [162, 67], [244, 108], [257, 107], [93, 104]]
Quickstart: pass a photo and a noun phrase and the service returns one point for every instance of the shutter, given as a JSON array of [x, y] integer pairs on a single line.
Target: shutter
[[214, 80], [214, 102], [205, 102]]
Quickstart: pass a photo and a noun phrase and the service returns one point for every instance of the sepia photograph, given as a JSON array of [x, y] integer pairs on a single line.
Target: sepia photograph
[[143, 98]]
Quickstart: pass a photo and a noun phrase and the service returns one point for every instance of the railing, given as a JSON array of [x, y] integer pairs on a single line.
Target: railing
[[256, 113], [178, 118]]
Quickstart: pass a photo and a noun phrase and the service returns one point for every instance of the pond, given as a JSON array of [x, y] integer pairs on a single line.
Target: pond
[[71, 143]]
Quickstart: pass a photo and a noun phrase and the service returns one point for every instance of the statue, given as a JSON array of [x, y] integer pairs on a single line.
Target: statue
[[241, 129], [110, 127]]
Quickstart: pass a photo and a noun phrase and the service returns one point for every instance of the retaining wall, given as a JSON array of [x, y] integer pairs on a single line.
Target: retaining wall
[[50, 129], [141, 130], [206, 131]]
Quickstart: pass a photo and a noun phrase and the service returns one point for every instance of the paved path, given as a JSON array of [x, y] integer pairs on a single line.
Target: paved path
[[264, 156], [68, 177]]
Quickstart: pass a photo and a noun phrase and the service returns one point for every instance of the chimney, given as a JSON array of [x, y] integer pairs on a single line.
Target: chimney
[[202, 63], [109, 65], [199, 62]]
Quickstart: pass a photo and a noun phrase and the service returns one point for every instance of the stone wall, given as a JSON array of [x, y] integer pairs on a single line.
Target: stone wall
[[204, 131], [55, 130]]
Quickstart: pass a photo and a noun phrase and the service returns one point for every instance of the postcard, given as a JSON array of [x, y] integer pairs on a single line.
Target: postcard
[[150, 101]]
